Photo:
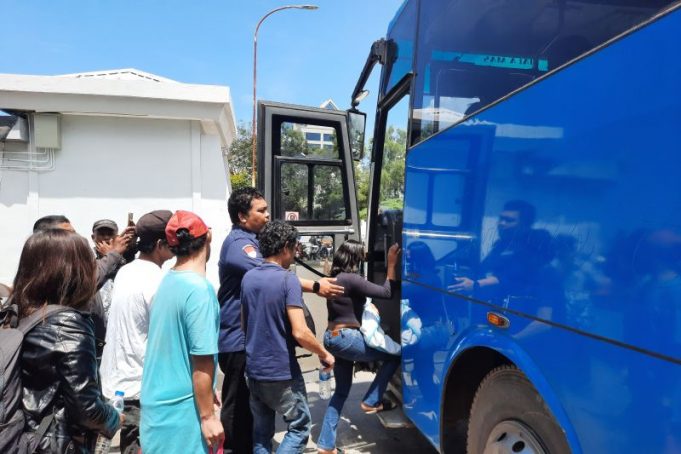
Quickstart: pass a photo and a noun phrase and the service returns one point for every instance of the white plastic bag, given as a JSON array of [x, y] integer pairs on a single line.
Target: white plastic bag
[[373, 334]]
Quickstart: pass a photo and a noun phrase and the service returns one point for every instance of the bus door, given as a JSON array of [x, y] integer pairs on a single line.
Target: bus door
[[386, 200], [305, 171]]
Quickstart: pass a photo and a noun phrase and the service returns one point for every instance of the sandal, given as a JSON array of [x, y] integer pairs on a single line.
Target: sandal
[[383, 406]]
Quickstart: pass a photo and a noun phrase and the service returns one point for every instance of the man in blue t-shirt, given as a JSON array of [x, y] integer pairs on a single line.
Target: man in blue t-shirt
[[240, 253], [273, 321], [180, 363]]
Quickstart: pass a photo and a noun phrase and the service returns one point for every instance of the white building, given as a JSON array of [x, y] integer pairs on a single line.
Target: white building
[[102, 144], [320, 136]]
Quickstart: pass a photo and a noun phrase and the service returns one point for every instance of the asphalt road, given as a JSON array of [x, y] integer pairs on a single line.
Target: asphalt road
[[357, 432]]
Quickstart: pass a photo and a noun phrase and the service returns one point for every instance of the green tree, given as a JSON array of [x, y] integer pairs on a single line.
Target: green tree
[[328, 194], [239, 156], [392, 173]]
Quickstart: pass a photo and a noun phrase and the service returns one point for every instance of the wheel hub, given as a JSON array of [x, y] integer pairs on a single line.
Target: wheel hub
[[512, 437]]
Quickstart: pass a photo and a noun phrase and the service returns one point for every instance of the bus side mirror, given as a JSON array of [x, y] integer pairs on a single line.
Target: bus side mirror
[[356, 127]]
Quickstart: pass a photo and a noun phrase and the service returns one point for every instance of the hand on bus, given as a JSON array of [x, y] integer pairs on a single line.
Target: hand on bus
[[394, 254], [328, 288], [393, 259]]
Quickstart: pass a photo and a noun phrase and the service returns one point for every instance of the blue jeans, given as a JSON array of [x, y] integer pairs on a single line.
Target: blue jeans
[[289, 399], [348, 347]]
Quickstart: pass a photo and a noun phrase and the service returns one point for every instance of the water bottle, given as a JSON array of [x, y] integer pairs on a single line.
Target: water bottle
[[324, 384], [103, 443]]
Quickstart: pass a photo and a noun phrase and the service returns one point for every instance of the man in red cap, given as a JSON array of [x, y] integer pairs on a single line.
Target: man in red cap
[[179, 368]]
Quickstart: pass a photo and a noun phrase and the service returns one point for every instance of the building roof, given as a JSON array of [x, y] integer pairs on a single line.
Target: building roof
[[329, 105], [122, 92], [120, 74]]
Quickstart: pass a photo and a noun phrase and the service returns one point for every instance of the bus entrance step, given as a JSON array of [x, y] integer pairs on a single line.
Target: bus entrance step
[[394, 419]]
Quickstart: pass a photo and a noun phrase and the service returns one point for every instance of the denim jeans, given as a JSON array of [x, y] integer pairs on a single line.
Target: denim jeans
[[289, 399], [348, 347]]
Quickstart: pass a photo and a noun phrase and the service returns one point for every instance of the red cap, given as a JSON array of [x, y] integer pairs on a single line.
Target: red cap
[[184, 220]]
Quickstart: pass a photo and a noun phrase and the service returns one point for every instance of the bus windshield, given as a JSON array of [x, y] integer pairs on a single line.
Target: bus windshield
[[472, 53]]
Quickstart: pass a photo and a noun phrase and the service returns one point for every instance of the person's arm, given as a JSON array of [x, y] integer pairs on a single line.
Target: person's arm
[[203, 368], [360, 286], [201, 320], [327, 287], [465, 284], [304, 337], [76, 366], [107, 266], [301, 333]]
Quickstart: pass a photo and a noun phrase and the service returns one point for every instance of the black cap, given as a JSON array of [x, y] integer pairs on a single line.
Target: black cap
[[105, 224], [152, 226]]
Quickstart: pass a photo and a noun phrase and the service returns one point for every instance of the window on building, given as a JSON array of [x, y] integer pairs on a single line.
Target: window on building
[[303, 140]]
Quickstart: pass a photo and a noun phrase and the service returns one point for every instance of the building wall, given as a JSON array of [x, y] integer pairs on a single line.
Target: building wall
[[109, 166]]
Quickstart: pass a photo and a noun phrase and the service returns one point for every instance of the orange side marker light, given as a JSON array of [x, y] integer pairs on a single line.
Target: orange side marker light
[[498, 320]]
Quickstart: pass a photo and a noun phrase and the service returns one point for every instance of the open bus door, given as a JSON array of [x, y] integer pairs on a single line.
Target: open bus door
[[306, 172]]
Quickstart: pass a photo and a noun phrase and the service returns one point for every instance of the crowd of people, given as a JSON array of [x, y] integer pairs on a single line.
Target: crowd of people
[[114, 321]]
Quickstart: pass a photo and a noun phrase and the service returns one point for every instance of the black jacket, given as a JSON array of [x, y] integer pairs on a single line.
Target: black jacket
[[59, 376]]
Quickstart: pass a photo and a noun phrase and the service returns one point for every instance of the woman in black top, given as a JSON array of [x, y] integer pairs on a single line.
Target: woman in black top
[[58, 362], [345, 341]]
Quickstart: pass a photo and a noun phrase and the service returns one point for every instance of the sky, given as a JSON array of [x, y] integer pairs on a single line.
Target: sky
[[304, 57]]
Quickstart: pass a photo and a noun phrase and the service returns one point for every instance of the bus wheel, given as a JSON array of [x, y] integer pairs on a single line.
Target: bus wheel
[[509, 416]]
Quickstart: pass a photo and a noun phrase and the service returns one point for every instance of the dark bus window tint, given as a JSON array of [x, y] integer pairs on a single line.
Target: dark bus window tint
[[305, 140], [472, 52], [402, 33]]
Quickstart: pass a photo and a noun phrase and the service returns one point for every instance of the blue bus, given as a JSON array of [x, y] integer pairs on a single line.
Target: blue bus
[[539, 213]]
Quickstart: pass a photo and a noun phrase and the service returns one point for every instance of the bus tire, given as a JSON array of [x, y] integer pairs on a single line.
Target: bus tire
[[508, 415]]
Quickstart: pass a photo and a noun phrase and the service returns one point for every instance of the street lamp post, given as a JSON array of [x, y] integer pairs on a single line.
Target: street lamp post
[[255, 63]]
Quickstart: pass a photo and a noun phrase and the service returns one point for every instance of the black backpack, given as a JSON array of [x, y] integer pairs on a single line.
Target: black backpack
[[13, 437]]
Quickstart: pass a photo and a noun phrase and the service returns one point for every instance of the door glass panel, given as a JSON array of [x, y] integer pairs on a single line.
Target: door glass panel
[[308, 140], [329, 200], [312, 192], [387, 224], [294, 191], [316, 251]]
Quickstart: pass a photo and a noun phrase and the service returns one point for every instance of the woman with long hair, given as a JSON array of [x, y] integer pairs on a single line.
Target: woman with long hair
[[344, 340], [58, 362]]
